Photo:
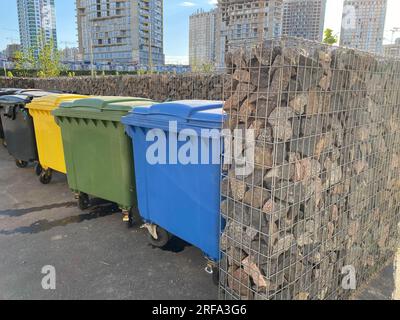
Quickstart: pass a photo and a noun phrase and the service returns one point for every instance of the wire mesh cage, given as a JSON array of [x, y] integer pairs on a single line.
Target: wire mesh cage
[[310, 182]]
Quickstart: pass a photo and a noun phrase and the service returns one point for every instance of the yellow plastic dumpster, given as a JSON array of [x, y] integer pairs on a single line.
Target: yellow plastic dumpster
[[48, 134]]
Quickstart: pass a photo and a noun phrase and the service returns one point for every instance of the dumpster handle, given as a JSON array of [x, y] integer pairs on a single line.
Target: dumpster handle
[[211, 265], [209, 269], [10, 112]]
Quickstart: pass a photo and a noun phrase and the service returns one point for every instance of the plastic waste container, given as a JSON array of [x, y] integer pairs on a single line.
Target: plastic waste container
[[177, 148], [18, 127], [3, 92], [32, 93], [8, 91], [48, 134], [98, 152], [1, 131]]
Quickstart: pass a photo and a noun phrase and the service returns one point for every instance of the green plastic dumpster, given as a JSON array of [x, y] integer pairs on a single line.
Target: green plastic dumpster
[[98, 153]]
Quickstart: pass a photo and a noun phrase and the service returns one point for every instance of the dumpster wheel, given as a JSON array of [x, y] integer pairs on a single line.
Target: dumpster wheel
[[21, 163], [45, 176], [38, 169], [83, 201], [215, 276], [157, 236], [134, 218]]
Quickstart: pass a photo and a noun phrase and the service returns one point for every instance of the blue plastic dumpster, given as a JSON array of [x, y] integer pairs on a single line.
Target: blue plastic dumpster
[[177, 152]]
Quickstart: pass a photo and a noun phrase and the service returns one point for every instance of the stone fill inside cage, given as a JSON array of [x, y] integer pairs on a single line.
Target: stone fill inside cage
[[315, 212]]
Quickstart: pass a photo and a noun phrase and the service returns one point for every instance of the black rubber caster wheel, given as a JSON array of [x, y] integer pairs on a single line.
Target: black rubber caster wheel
[[135, 220], [215, 276], [21, 163], [131, 222], [38, 169], [45, 177], [162, 240], [83, 201]]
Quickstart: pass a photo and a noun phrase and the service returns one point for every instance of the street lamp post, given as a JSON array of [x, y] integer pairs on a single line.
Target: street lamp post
[[91, 51], [5, 68], [150, 48]]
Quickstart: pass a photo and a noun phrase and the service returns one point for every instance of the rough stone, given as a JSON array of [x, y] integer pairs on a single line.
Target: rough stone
[[256, 197], [239, 282], [299, 102], [263, 157], [283, 244], [241, 75]]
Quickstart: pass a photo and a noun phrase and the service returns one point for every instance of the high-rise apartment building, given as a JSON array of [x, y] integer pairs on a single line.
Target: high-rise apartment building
[[202, 34], [392, 50], [11, 50], [363, 24], [37, 23], [70, 55], [121, 31], [304, 19], [244, 23]]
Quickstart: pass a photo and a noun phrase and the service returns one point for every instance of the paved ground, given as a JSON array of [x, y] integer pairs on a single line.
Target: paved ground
[[95, 254], [380, 287]]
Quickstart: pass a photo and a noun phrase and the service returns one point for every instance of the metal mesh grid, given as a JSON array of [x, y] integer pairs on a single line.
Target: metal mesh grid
[[159, 87], [323, 193]]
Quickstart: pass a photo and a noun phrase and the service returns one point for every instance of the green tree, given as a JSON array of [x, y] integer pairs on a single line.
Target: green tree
[[329, 37], [10, 74], [48, 60], [195, 65], [202, 67], [208, 67], [24, 61], [47, 63]]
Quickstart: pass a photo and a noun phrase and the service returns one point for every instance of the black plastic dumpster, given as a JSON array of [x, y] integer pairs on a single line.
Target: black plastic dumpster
[[8, 91], [3, 92], [35, 93], [18, 127], [1, 131]]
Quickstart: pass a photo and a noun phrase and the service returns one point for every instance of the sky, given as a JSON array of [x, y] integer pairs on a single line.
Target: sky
[[176, 23]]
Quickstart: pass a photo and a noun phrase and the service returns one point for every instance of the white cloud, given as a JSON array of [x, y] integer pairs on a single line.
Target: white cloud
[[177, 60], [187, 4], [213, 2]]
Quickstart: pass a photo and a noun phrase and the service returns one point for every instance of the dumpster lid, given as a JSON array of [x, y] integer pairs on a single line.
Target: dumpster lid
[[14, 99], [28, 92], [97, 104], [38, 92], [51, 101], [34, 93], [203, 113], [9, 91]]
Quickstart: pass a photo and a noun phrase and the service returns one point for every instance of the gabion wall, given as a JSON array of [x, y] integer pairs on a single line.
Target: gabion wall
[[159, 87], [324, 193]]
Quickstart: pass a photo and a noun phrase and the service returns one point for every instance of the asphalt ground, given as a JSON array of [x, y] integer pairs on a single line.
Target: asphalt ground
[[94, 253]]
